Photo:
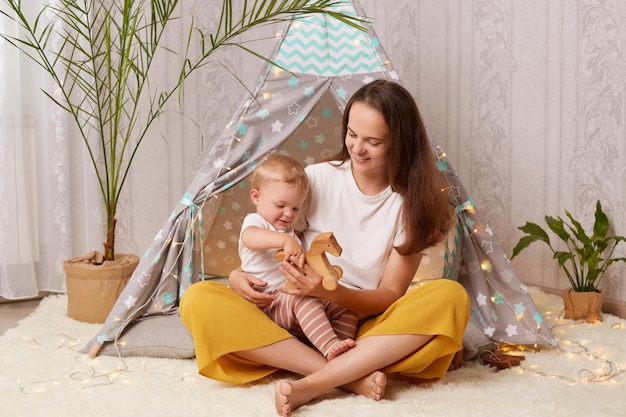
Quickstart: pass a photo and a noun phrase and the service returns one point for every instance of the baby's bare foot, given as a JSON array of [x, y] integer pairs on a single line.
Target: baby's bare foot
[[371, 386], [339, 347]]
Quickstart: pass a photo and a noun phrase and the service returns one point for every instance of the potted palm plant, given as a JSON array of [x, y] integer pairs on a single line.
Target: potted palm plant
[[100, 55], [584, 262]]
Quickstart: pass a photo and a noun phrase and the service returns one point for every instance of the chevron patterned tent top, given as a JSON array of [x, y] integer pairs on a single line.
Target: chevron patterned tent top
[[323, 46]]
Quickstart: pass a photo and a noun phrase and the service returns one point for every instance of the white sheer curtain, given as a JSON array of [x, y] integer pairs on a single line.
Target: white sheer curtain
[[35, 180], [50, 203]]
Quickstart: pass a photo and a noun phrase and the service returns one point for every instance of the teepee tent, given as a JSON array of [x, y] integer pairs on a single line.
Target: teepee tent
[[296, 109]]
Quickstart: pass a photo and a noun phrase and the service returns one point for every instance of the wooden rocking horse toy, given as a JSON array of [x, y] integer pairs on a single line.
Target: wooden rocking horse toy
[[316, 258]]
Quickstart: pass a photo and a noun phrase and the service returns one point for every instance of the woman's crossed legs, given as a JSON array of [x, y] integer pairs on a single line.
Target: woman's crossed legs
[[357, 370]]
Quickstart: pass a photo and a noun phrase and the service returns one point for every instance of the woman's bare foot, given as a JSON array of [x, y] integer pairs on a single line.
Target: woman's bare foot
[[371, 386], [339, 347], [282, 397], [287, 397]]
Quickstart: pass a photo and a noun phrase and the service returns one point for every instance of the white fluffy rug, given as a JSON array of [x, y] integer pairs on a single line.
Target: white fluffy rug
[[42, 374]]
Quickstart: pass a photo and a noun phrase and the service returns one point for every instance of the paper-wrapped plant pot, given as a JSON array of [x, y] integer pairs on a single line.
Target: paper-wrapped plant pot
[[583, 305], [93, 285]]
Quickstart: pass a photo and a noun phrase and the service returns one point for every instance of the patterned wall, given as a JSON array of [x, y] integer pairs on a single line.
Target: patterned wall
[[527, 97]]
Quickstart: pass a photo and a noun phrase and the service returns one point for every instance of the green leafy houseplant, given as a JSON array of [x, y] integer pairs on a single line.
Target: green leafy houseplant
[[587, 257], [584, 262], [108, 52]]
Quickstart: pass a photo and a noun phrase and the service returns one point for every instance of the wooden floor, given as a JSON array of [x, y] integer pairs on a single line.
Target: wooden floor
[[12, 312]]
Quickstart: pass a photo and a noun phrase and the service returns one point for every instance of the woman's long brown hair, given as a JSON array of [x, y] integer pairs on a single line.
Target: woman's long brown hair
[[411, 164]]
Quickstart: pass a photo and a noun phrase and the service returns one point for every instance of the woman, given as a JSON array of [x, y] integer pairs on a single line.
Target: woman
[[382, 199]]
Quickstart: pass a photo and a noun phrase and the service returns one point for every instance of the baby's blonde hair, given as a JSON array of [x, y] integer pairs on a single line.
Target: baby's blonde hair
[[279, 168]]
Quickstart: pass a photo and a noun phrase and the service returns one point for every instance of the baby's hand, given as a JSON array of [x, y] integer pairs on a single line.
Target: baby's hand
[[293, 251]]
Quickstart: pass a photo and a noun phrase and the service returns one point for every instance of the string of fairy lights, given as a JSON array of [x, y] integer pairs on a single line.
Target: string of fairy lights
[[466, 211], [89, 377], [605, 370], [598, 367], [586, 361]]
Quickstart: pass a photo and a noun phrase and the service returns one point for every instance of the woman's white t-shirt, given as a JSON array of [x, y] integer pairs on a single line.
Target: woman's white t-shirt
[[366, 227]]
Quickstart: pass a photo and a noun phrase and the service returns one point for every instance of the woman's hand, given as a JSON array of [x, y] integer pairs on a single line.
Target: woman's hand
[[244, 285], [305, 280]]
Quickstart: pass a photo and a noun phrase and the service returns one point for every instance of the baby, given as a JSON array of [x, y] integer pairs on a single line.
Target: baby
[[279, 187]]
